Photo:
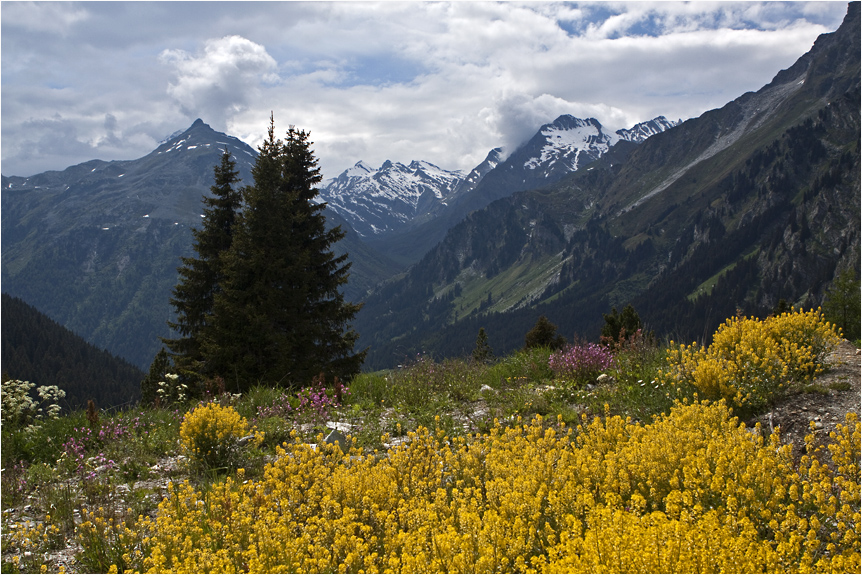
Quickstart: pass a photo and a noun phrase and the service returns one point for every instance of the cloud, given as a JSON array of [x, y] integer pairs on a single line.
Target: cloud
[[51, 17], [222, 80], [442, 82]]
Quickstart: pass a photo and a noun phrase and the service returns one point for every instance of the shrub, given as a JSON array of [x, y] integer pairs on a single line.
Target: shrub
[[213, 435], [20, 408], [841, 304], [619, 326], [751, 362], [581, 362], [544, 334]]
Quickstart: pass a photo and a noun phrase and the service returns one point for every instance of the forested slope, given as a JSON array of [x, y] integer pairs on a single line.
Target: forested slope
[[37, 349]]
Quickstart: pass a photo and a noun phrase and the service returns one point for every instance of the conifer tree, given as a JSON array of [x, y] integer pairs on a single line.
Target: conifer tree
[[544, 334], [158, 369], [619, 326], [280, 318], [841, 305], [482, 353], [201, 276]]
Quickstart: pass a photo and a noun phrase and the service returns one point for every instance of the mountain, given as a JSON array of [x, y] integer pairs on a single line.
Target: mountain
[[569, 143], [556, 150], [734, 210], [395, 198], [391, 197], [39, 350], [96, 246]]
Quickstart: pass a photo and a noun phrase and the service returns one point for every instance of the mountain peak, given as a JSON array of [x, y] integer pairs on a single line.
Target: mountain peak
[[568, 122], [643, 130], [200, 135]]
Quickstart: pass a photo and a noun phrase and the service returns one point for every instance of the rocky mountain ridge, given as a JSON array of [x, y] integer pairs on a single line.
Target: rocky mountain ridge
[[397, 198]]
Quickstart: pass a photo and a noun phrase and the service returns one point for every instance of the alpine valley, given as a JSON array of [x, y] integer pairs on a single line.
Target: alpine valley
[[730, 212], [688, 221]]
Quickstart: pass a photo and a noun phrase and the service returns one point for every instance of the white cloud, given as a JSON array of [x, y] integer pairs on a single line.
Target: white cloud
[[443, 82], [51, 17], [222, 80]]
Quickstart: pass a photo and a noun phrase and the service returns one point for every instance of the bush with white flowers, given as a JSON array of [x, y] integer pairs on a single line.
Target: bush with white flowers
[[20, 408]]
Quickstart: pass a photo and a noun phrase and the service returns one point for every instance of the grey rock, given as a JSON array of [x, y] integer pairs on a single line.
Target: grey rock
[[338, 438]]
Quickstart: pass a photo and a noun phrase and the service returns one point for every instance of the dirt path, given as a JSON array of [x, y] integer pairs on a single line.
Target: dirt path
[[838, 393]]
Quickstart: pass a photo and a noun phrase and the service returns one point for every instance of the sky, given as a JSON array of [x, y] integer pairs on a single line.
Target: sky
[[373, 81]]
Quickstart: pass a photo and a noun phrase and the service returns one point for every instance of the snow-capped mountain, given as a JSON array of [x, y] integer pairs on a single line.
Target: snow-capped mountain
[[491, 161], [644, 130], [377, 201], [568, 143], [396, 197]]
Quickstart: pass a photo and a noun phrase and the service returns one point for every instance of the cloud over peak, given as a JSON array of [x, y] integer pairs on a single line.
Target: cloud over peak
[[220, 80]]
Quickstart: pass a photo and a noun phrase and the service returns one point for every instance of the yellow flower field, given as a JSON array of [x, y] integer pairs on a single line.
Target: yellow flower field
[[693, 491]]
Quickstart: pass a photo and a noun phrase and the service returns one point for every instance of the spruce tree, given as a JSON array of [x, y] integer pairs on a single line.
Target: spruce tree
[[280, 318], [201, 276], [158, 369], [544, 334], [841, 305], [482, 353]]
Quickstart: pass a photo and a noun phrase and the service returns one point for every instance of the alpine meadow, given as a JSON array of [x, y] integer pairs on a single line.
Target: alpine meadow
[[601, 351]]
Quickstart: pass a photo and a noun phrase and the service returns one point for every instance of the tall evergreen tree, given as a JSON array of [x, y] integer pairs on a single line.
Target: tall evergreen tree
[[841, 305], [201, 276], [280, 317], [150, 384], [482, 353]]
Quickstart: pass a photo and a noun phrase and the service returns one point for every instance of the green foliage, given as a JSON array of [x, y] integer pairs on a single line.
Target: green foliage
[[201, 277], [482, 352], [527, 365], [841, 305], [279, 317], [544, 334], [619, 326]]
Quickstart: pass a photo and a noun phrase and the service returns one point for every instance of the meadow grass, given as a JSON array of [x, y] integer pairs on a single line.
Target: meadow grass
[[99, 483]]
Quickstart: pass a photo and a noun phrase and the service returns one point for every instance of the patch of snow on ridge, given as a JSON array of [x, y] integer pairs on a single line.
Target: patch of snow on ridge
[[642, 131], [567, 142], [375, 200]]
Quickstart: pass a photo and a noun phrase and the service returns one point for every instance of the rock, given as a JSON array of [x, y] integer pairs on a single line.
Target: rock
[[337, 437], [339, 426], [243, 441]]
